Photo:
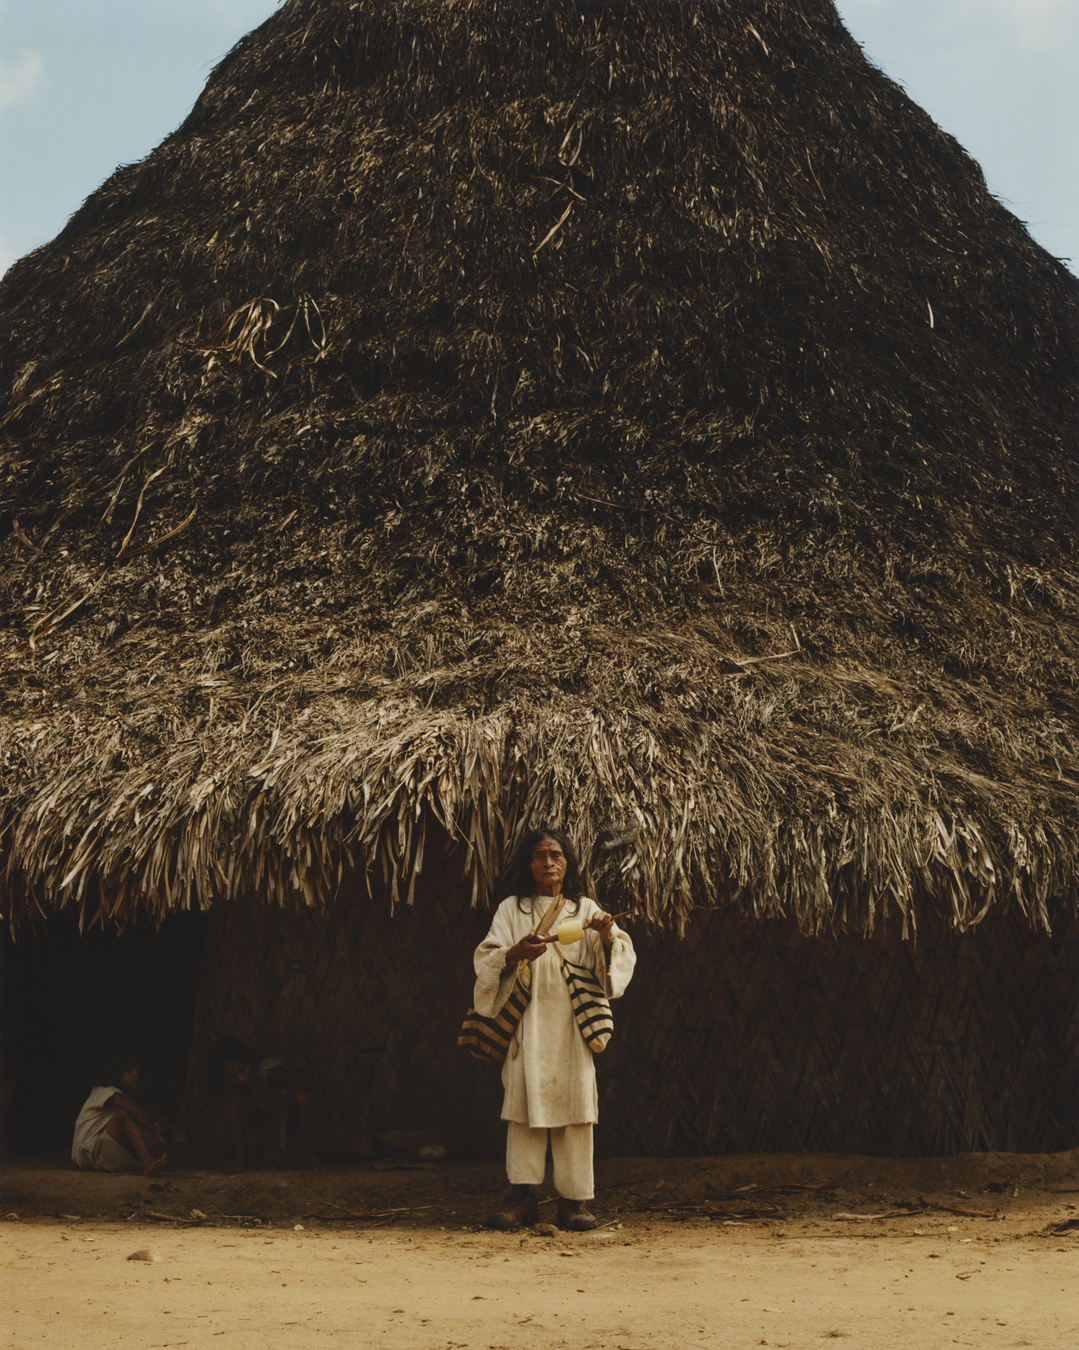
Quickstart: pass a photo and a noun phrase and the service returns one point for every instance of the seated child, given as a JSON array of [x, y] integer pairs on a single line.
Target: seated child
[[114, 1134], [272, 1086]]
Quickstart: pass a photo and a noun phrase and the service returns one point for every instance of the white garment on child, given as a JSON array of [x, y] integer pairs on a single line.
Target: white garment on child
[[109, 1155], [92, 1122]]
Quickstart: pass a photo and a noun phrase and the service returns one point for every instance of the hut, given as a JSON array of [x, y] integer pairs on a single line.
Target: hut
[[635, 415]]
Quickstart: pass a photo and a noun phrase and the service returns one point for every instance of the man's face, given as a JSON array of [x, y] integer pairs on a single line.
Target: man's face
[[129, 1079], [549, 864], [237, 1075]]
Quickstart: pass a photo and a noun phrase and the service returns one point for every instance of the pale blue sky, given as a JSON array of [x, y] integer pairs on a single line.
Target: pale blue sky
[[86, 85]]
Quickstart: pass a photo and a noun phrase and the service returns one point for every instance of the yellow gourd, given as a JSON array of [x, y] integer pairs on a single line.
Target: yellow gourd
[[570, 931]]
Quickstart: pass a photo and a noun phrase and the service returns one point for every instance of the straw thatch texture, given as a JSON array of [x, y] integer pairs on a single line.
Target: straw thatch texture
[[740, 1037], [637, 415]]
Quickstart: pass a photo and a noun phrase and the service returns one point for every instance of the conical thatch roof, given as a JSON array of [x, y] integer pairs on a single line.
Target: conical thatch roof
[[634, 415]]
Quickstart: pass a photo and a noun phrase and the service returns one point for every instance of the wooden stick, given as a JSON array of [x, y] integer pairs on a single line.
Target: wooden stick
[[366, 1214], [553, 937], [954, 1209], [856, 1237], [875, 1218]]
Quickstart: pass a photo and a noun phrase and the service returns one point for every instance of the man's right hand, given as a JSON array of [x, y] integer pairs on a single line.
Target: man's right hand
[[530, 948]]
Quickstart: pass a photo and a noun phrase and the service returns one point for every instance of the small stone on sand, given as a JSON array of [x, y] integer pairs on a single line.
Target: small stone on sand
[[144, 1254]]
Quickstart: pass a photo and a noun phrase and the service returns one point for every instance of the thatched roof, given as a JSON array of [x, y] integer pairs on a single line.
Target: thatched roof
[[634, 415]]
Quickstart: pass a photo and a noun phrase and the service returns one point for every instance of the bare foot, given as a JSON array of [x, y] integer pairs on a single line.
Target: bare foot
[[155, 1165]]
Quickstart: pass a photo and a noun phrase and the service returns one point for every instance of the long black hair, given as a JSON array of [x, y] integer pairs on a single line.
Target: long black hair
[[111, 1067], [522, 883]]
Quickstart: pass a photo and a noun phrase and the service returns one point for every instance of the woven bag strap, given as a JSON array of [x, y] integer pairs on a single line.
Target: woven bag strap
[[601, 961], [551, 914], [524, 970]]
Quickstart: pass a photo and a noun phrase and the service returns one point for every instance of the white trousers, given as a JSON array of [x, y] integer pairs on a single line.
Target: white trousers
[[571, 1154]]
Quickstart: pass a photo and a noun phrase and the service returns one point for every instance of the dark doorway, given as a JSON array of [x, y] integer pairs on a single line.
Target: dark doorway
[[71, 1001]]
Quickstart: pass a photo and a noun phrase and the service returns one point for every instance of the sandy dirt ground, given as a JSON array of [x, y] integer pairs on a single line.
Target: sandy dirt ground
[[692, 1253]]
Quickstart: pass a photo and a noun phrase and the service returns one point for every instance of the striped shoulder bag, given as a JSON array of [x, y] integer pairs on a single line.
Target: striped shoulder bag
[[591, 1007], [490, 1037]]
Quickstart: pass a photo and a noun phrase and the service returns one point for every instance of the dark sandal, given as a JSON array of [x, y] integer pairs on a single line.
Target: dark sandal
[[520, 1210], [573, 1216]]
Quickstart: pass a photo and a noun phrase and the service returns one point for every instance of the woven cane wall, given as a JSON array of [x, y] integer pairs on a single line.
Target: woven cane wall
[[768, 1041], [742, 1037], [370, 1004]]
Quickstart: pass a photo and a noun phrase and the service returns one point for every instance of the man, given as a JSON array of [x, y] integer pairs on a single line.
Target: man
[[548, 1074]]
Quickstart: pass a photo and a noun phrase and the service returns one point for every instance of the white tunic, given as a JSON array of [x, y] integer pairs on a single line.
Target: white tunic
[[549, 1076], [93, 1121]]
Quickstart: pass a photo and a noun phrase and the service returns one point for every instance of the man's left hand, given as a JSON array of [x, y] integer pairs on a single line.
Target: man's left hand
[[603, 924]]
